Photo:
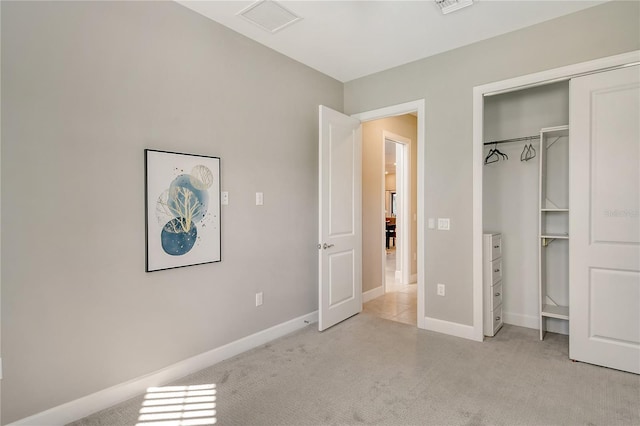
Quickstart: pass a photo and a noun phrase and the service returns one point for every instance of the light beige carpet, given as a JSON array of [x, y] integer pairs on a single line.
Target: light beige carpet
[[368, 370]]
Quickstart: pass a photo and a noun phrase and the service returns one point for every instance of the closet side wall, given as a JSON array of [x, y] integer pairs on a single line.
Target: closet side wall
[[510, 193]]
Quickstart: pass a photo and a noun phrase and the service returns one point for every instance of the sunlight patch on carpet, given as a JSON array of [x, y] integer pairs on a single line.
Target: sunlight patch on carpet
[[192, 405]]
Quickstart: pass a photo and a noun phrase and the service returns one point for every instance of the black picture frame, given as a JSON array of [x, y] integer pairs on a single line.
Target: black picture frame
[[182, 210]]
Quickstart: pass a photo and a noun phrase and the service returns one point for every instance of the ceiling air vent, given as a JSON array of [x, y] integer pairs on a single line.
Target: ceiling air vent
[[448, 6], [269, 15]]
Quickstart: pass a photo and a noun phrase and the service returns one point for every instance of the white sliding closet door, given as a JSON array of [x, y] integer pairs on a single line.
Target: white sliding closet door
[[604, 188]]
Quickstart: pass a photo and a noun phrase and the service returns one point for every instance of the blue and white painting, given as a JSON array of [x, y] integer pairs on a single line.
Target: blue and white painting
[[183, 209]]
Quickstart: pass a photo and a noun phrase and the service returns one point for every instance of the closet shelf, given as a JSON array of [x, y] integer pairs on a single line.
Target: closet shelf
[[558, 131], [552, 311], [553, 218]]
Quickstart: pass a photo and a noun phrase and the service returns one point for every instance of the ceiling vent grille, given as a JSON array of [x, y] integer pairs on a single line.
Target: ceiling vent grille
[[269, 15], [448, 6]]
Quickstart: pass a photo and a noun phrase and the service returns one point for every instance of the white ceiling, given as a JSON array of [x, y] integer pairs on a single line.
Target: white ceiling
[[350, 39]]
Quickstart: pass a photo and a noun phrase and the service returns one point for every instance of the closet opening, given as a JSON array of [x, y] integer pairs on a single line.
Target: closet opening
[[603, 103], [525, 209]]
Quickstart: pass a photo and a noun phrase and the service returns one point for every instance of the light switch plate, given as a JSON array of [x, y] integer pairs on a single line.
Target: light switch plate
[[431, 223], [259, 199], [443, 224]]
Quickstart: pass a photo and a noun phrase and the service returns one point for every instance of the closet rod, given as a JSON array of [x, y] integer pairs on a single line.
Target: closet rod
[[525, 138]]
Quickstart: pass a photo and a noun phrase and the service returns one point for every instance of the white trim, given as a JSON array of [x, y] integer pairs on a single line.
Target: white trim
[[531, 321], [82, 407], [451, 328], [372, 294], [421, 260], [383, 219], [391, 111], [0, 222], [527, 321], [513, 84], [400, 109], [478, 115], [559, 74]]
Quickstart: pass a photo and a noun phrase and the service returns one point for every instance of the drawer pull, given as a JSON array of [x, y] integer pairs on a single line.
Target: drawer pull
[[497, 294], [497, 318]]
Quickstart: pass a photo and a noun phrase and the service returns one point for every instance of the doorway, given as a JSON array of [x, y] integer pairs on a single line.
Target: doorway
[[389, 183], [371, 289], [341, 267], [397, 210]]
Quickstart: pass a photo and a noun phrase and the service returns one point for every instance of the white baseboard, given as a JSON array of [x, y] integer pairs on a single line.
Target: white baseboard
[[372, 294], [528, 321], [82, 407], [531, 321], [453, 329]]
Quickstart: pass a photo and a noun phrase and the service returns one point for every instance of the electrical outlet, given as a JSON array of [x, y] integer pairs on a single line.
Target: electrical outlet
[[440, 289], [259, 299], [224, 198], [444, 224]]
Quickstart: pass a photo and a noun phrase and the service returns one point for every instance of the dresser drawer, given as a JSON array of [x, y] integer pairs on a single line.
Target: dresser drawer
[[496, 271], [497, 319], [496, 246], [496, 293]]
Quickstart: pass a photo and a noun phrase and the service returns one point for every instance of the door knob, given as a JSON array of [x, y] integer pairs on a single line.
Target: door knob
[[326, 246]]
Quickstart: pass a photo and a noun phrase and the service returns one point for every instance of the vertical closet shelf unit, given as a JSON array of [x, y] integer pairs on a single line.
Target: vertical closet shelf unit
[[553, 225]]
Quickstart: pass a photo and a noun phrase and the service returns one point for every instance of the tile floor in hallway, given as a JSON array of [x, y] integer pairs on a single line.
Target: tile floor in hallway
[[399, 303]]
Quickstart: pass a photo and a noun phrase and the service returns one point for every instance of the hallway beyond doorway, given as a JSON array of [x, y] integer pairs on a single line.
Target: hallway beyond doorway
[[400, 302]]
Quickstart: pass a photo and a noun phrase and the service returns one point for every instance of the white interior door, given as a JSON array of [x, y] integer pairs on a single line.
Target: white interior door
[[340, 229], [604, 187]]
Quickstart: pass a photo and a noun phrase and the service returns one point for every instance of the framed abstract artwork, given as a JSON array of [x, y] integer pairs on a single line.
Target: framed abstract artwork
[[182, 203]]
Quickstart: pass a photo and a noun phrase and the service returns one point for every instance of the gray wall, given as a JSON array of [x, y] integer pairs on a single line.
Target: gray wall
[[446, 81], [86, 87]]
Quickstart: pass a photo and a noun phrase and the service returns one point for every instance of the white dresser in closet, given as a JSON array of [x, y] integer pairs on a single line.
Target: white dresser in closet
[[492, 283]]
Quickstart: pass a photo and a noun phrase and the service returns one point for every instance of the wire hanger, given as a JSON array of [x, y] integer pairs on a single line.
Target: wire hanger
[[528, 152], [494, 155], [531, 153]]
